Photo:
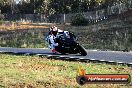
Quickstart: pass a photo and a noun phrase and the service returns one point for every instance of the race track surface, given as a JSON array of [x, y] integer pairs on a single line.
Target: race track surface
[[110, 56]]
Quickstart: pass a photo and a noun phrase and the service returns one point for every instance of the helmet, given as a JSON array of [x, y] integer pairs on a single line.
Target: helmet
[[54, 30]]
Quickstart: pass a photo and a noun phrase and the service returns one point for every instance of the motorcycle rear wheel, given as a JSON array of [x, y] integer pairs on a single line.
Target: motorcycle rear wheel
[[82, 50]]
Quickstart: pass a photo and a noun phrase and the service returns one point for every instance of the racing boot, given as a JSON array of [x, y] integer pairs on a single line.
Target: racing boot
[[54, 51]]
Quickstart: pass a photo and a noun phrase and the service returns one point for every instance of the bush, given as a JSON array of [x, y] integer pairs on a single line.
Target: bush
[[79, 20], [2, 17], [1, 22]]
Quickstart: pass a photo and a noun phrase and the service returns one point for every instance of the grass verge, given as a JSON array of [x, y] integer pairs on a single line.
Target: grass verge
[[5, 26], [36, 72]]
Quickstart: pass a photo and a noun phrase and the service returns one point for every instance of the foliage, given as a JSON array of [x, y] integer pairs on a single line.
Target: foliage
[[6, 6], [79, 20], [2, 17], [25, 7], [58, 6], [1, 22]]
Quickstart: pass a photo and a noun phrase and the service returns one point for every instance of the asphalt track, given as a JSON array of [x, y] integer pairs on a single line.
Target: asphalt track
[[95, 56]]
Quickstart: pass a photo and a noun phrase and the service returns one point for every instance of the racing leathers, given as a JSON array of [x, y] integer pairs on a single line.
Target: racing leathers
[[51, 39]]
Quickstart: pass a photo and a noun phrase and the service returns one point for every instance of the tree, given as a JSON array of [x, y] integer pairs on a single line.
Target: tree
[[60, 6], [42, 6], [5, 6]]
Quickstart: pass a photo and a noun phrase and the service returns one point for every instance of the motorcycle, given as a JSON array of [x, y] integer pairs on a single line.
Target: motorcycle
[[67, 44]]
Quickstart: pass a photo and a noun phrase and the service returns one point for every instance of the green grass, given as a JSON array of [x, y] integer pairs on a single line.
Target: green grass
[[36, 72]]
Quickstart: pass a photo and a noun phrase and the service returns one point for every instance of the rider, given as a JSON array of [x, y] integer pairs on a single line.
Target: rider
[[53, 32]]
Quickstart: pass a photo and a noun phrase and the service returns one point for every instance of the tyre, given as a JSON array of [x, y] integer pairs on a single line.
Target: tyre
[[82, 50], [63, 53]]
